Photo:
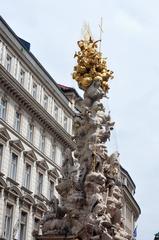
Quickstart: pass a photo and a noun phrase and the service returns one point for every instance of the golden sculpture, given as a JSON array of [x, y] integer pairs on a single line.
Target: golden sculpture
[[91, 66]]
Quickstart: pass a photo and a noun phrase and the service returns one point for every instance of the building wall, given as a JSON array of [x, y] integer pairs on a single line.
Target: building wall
[[15, 197], [130, 210], [8, 126]]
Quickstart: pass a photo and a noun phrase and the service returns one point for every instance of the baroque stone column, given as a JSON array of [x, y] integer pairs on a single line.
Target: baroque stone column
[[90, 185]]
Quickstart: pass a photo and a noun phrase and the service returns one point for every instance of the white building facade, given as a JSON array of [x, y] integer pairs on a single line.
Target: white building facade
[[131, 209], [35, 129]]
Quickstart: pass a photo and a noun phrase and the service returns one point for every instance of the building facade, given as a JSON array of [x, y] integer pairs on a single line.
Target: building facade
[[36, 116], [35, 128], [130, 210]]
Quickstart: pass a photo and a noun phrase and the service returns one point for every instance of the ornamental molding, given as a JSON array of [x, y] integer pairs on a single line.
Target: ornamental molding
[[30, 155], [3, 183], [42, 164], [41, 206], [53, 173], [4, 135], [28, 198], [14, 190], [17, 144]]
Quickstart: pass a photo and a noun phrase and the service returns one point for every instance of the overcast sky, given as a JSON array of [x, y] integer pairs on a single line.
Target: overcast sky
[[131, 43]]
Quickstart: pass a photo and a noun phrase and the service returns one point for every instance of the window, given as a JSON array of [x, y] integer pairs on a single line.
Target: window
[[8, 222], [1, 153], [17, 121], [42, 141], [65, 123], [36, 224], [45, 102], [56, 112], [39, 183], [30, 132], [53, 152], [22, 76], [60, 116], [27, 176], [34, 90], [3, 108], [13, 168], [23, 225], [8, 62], [62, 155], [28, 87], [51, 190]]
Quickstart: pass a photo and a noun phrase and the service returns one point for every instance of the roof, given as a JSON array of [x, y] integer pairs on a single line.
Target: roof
[[67, 89], [126, 173]]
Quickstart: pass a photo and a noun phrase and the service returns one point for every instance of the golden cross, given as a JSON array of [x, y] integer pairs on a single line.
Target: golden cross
[[101, 31]]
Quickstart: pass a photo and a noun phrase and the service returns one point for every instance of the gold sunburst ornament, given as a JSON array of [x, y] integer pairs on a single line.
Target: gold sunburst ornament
[[91, 66]]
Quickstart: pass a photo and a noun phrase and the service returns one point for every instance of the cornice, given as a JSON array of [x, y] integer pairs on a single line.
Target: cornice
[[42, 164], [25, 100], [30, 155], [17, 144]]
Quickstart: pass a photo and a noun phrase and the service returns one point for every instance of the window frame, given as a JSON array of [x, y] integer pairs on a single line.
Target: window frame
[[17, 122], [65, 125], [40, 183], [20, 80], [3, 108], [56, 113], [46, 103], [30, 132], [9, 233], [42, 141], [13, 174], [26, 182], [51, 192], [24, 224], [35, 93], [53, 151], [8, 67], [1, 154]]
